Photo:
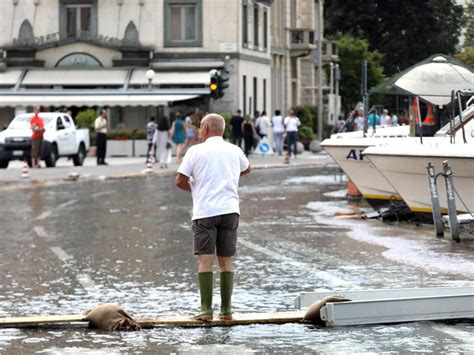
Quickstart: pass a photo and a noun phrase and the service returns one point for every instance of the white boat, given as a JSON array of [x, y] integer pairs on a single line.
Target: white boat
[[404, 166], [346, 149], [348, 152]]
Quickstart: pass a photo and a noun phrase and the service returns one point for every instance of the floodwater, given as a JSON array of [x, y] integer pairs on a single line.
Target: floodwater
[[68, 248]]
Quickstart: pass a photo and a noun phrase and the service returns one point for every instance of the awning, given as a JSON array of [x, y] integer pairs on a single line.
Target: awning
[[9, 78], [91, 100], [76, 77], [171, 78]]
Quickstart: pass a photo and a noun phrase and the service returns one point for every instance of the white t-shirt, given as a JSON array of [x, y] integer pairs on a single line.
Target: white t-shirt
[[278, 124], [100, 122], [263, 124], [292, 123], [214, 169]]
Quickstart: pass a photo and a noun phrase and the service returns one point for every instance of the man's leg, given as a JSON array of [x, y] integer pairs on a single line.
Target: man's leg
[[226, 247], [98, 147], [205, 279], [204, 235]]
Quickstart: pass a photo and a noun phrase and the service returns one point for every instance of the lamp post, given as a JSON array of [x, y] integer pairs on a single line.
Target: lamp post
[[150, 74]]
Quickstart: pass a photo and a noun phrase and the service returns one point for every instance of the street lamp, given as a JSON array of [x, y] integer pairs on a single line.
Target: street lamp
[[150, 74]]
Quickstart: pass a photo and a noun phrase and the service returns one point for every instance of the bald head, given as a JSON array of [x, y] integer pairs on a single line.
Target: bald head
[[214, 122]]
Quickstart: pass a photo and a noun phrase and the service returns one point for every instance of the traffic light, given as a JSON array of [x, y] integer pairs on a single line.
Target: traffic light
[[214, 85], [223, 79]]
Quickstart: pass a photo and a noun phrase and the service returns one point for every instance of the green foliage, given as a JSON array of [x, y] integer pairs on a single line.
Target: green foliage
[[305, 133], [469, 21], [306, 114], [405, 31], [352, 52], [86, 118], [466, 56], [126, 134]]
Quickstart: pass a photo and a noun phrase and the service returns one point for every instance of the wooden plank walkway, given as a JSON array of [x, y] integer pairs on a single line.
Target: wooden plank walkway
[[171, 321]]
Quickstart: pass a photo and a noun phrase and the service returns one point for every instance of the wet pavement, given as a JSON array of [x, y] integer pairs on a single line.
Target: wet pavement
[[70, 247]]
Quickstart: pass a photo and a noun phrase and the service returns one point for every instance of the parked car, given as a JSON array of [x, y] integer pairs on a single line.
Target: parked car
[[61, 139]]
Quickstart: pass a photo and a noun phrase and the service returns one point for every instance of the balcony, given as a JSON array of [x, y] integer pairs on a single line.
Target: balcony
[[302, 42], [330, 51], [265, 2]]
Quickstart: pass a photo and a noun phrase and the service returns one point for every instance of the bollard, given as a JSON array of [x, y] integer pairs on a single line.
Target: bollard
[[453, 218], [25, 175], [437, 219]]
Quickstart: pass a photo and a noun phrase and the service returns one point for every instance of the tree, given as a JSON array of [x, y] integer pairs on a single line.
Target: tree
[[469, 20], [466, 56], [352, 51], [405, 31]]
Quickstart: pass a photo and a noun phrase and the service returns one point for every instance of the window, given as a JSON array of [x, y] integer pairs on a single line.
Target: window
[[255, 26], [255, 91], [264, 94], [245, 24], [183, 23], [67, 122], [77, 18], [265, 29], [244, 93]]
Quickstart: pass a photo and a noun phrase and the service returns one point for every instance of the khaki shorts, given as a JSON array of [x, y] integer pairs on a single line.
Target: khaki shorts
[[216, 235], [36, 145]]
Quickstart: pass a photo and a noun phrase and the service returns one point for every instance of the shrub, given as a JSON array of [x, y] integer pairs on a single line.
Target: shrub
[[126, 134], [86, 118], [306, 114], [305, 133]]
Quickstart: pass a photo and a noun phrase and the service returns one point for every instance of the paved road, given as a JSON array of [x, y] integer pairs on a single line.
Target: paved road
[[127, 167], [129, 242]]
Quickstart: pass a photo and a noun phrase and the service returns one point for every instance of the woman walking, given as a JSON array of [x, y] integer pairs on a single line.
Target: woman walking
[[162, 136], [178, 135], [248, 132]]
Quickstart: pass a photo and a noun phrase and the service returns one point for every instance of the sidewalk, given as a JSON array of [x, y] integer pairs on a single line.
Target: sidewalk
[[130, 167]]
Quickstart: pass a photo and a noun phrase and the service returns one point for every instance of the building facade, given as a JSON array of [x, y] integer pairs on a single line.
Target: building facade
[[95, 53], [294, 36]]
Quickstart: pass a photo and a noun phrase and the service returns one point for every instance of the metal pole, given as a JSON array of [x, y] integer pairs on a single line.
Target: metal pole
[[451, 198], [420, 125], [437, 219], [452, 136], [320, 69], [461, 118], [365, 97]]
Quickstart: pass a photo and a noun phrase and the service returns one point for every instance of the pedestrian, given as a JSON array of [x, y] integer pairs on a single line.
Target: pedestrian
[[37, 128], [374, 118], [150, 133], [278, 130], [248, 132], [358, 121], [404, 119], [339, 124], [178, 135], [263, 125], [291, 123], [211, 172], [349, 124], [385, 119], [236, 128], [100, 126], [394, 119], [161, 139]]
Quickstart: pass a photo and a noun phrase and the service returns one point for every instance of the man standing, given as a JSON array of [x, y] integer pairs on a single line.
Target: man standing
[[211, 172], [100, 126], [236, 125], [37, 126]]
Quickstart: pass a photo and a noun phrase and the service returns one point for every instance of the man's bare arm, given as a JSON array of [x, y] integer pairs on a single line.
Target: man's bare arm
[[182, 182], [246, 171]]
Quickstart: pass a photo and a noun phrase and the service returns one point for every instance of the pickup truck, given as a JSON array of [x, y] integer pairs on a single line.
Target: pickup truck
[[61, 139]]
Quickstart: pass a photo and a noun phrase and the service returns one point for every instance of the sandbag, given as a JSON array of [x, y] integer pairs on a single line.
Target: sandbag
[[110, 317], [312, 315]]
